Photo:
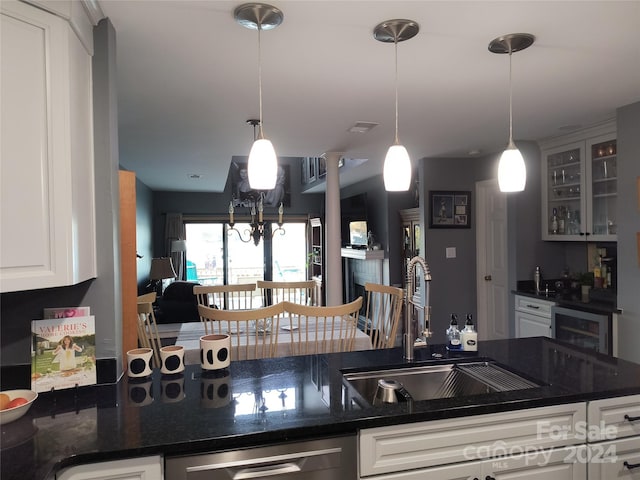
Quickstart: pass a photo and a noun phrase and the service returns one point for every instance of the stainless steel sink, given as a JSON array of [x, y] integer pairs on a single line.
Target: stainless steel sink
[[425, 382]]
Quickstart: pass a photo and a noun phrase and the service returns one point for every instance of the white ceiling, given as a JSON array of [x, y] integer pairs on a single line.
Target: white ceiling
[[188, 80]]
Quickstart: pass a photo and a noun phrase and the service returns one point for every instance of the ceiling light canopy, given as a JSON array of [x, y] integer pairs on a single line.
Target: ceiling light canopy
[[512, 172], [262, 166], [397, 165]]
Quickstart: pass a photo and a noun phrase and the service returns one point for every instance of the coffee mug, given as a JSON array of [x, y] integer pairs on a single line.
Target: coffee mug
[[215, 351], [139, 362], [140, 391], [172, 359], [172, 388], [215, 389]]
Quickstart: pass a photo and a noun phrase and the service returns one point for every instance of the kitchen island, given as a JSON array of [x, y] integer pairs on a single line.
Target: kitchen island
[[262, 402]]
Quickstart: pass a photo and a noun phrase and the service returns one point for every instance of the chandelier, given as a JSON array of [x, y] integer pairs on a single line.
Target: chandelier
[[256, 226]]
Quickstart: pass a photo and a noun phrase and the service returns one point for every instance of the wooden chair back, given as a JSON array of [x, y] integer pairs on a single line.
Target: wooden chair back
[[148, 298], [382, 314], [301, 292], [328, 329], [237, 296], [245, 327], [148, 335]]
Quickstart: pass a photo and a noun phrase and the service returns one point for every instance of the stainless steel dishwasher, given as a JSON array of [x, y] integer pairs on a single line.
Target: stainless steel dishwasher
[[325, 459]]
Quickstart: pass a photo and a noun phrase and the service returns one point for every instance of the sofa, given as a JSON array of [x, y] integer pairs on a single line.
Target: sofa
[[177, 304]]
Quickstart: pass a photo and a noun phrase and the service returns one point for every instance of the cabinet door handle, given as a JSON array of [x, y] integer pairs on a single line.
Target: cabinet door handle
[[631, 466], [631, 419], [487, 278], [535, 307]]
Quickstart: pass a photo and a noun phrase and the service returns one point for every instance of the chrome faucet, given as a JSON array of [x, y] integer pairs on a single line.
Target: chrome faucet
[[410, 304]]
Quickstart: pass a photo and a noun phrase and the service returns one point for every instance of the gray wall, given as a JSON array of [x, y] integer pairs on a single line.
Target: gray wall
[[104, 295], [628, 226], [453, 285]]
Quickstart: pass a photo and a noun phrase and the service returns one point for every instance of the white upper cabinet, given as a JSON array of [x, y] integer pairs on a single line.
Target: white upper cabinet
[[47, 216], [579, 185]]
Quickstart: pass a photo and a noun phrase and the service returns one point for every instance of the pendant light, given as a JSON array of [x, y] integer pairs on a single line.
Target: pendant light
[[397, 165], [262, 166], [512, 172]]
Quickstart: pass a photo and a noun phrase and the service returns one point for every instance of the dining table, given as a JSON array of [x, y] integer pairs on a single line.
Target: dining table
[[188, 335]]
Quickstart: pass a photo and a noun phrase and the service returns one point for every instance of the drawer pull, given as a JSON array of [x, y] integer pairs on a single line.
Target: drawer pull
[[489, 477], [536, 307], [631, 419], [631, 466]]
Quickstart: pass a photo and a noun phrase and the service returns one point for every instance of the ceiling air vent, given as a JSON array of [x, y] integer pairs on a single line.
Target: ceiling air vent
[[362, 127]]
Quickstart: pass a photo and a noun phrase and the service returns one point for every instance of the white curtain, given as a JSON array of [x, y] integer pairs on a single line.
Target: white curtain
[[174, 230]]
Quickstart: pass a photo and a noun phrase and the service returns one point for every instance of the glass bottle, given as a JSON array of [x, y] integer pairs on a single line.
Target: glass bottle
[[453, 334], [554, 221], [561, 221]]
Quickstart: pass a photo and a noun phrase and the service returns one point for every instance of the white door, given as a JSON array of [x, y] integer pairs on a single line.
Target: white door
[[491, 263]]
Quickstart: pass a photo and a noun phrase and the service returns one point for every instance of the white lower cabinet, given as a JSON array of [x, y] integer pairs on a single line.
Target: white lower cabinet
[[533, 317], [493, 441], [618, 459], [143, 468], [551, 464], [614, 451]]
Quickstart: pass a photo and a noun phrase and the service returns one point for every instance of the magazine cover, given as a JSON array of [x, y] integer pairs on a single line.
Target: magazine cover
[[64, 353], [66, 312]]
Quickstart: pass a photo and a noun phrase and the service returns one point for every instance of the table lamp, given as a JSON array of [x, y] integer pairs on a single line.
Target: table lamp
[[161, 268]]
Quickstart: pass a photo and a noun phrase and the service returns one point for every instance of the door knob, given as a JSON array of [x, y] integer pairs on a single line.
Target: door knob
[[487, 278]]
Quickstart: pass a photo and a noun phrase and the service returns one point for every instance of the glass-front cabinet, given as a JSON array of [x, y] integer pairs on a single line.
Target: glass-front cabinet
[[579, 188]]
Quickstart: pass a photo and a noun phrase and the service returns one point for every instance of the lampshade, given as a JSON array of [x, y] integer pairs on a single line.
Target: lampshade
[[262, 166], [161, 268], [397, 169], [179, 246], [512, 172]]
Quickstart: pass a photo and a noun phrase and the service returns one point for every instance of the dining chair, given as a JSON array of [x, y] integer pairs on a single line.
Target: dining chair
[[254, 332], [148, 297], [315, 329], [237, 296], [382, 314], [301, 292], [148, 335]]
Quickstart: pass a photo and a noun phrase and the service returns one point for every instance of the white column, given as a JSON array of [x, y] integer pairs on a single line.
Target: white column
[[332, 236]]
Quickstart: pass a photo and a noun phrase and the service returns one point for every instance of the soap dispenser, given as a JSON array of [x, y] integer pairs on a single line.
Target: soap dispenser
[[453, 334], [469, 336]]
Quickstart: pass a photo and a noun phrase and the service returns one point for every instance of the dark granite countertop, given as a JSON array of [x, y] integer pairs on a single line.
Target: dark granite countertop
[[276, 400]]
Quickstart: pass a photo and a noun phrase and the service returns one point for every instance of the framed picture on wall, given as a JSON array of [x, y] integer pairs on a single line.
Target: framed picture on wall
[[449, 209]]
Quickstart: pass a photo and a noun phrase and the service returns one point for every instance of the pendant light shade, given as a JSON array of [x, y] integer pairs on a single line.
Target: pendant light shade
[[512, 172], [397, 165], [262, 165], [397, 169]]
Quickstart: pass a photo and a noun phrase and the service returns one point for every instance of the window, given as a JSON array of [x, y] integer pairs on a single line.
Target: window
[[216, 258]]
